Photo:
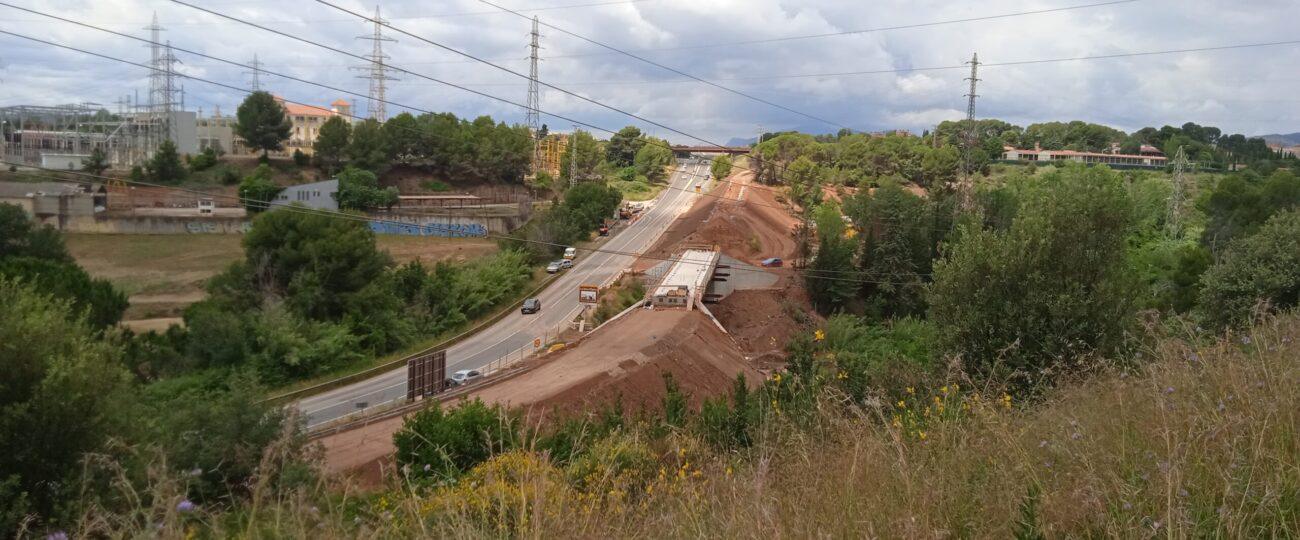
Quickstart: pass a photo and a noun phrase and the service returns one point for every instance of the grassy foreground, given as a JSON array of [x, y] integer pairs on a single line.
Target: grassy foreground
[[1202, 440]]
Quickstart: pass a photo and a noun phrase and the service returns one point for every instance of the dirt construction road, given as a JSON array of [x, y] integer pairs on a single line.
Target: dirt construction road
[[624, 359]]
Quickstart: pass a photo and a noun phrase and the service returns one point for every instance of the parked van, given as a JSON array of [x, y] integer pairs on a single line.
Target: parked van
[[570, 253]]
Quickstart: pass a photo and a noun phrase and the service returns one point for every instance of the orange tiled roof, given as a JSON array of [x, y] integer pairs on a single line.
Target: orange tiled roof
[[304, 110]]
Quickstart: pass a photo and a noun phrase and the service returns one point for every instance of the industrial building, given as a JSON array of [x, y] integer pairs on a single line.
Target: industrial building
[[54, 203], [686, 280], [321, 195]]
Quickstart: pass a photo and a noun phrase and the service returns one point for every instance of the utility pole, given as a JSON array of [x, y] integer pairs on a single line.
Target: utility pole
[[1176, 198], [256, 74], [376, 71], [533, 116]]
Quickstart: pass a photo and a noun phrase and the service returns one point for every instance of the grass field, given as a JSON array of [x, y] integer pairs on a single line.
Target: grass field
[[164, 273]]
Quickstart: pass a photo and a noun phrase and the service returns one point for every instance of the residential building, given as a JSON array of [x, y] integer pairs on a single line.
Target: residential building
[[321, 195], [1149, 156], [307, 121]]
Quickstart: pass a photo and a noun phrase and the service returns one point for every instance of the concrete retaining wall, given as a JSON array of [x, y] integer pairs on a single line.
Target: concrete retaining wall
[[409, 225], [158, 225]]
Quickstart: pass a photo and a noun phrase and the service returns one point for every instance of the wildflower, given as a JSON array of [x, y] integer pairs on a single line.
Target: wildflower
[[185, 506], [1169, 389], [427, 467], [1182, 492], [1042, 443], [1245, 340], [1006, 401], [777, 378], [1128, 505], [729, 470], [819, 335], [956, 387], [937, 400], [842, 375], [898, 421], [57, 535], [921, 435], [195, 471], [943, 390], [902, 404], [1075, 436], [911, 391]]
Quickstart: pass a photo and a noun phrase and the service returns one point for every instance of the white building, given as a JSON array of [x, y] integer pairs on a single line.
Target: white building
[[321, 195]]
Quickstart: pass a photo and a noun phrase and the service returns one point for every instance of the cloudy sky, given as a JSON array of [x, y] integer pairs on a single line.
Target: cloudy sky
[[1249, 90]]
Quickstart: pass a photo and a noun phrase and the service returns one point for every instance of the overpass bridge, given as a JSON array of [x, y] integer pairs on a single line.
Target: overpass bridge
[[684, 151]]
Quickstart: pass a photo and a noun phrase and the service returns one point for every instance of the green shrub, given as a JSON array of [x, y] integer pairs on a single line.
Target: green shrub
[[203, 160], [1260, 268], [436, 185], [436, 444], [1047, 293]]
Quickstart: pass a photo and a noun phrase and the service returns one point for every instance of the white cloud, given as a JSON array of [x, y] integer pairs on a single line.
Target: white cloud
[[1235, 89]]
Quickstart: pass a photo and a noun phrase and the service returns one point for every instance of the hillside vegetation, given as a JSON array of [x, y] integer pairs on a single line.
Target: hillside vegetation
[[1200, 441]]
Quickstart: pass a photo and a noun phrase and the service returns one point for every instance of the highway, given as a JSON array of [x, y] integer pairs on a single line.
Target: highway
[[515, 333]]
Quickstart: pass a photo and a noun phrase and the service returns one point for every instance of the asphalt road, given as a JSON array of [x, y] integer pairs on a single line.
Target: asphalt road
[[516, 332]]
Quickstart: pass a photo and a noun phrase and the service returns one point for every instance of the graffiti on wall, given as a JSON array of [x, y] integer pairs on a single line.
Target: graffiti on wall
[[448, 230], [208, 227]]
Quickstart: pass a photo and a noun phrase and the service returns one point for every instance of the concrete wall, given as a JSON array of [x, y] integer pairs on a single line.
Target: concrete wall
[[444, 226], [157, 225]]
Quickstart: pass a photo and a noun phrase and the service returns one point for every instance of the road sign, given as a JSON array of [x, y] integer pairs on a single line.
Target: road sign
[[537, 343], [587, 294], [426, 375]]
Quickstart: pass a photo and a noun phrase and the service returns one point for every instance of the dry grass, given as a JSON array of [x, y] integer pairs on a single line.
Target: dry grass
[[1204, 441], [164, 273]]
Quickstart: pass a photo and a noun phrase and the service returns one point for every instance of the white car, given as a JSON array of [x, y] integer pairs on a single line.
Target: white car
[[464, 376]]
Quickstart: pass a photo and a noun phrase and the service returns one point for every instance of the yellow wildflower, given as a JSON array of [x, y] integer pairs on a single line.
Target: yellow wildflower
[[842, 375], [819, 335], [921, 434], [944, 390], [911, 390], [898, 421], [902, 404]]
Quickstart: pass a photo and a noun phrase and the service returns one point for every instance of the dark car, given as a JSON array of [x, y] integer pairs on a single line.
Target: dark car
[[772, 262], [531, 305]]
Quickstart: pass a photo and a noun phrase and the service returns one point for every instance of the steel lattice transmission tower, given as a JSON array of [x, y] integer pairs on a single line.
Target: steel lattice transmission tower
[[969, 137], [256, 74], [163, 90], [534, 117], [1179, 192], [376, 70], [974, 78]]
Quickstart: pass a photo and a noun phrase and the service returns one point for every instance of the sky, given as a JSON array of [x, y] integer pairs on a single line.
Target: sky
[[1252, 90]]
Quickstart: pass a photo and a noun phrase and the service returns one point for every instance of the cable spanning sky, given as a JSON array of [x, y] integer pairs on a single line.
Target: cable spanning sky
[[1249, 90]]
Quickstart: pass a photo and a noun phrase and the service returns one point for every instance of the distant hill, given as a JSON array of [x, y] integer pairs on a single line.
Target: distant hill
[[1289, 139], [737, 141]]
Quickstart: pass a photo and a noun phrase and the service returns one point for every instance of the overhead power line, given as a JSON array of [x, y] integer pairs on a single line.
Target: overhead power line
[[472, 91], [802, 37], [664, 67]]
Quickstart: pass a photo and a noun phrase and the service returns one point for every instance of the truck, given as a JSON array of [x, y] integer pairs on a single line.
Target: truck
[[570, 253]]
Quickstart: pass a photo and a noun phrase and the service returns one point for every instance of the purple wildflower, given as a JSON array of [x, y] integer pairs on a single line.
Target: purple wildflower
[[57, 535], [185, 506]]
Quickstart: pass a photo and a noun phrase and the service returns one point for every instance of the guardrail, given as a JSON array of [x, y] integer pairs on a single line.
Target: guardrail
[[400, 362], [368, 408]]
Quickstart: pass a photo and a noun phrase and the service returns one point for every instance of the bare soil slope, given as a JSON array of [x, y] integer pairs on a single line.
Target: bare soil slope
[[625, 359]]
